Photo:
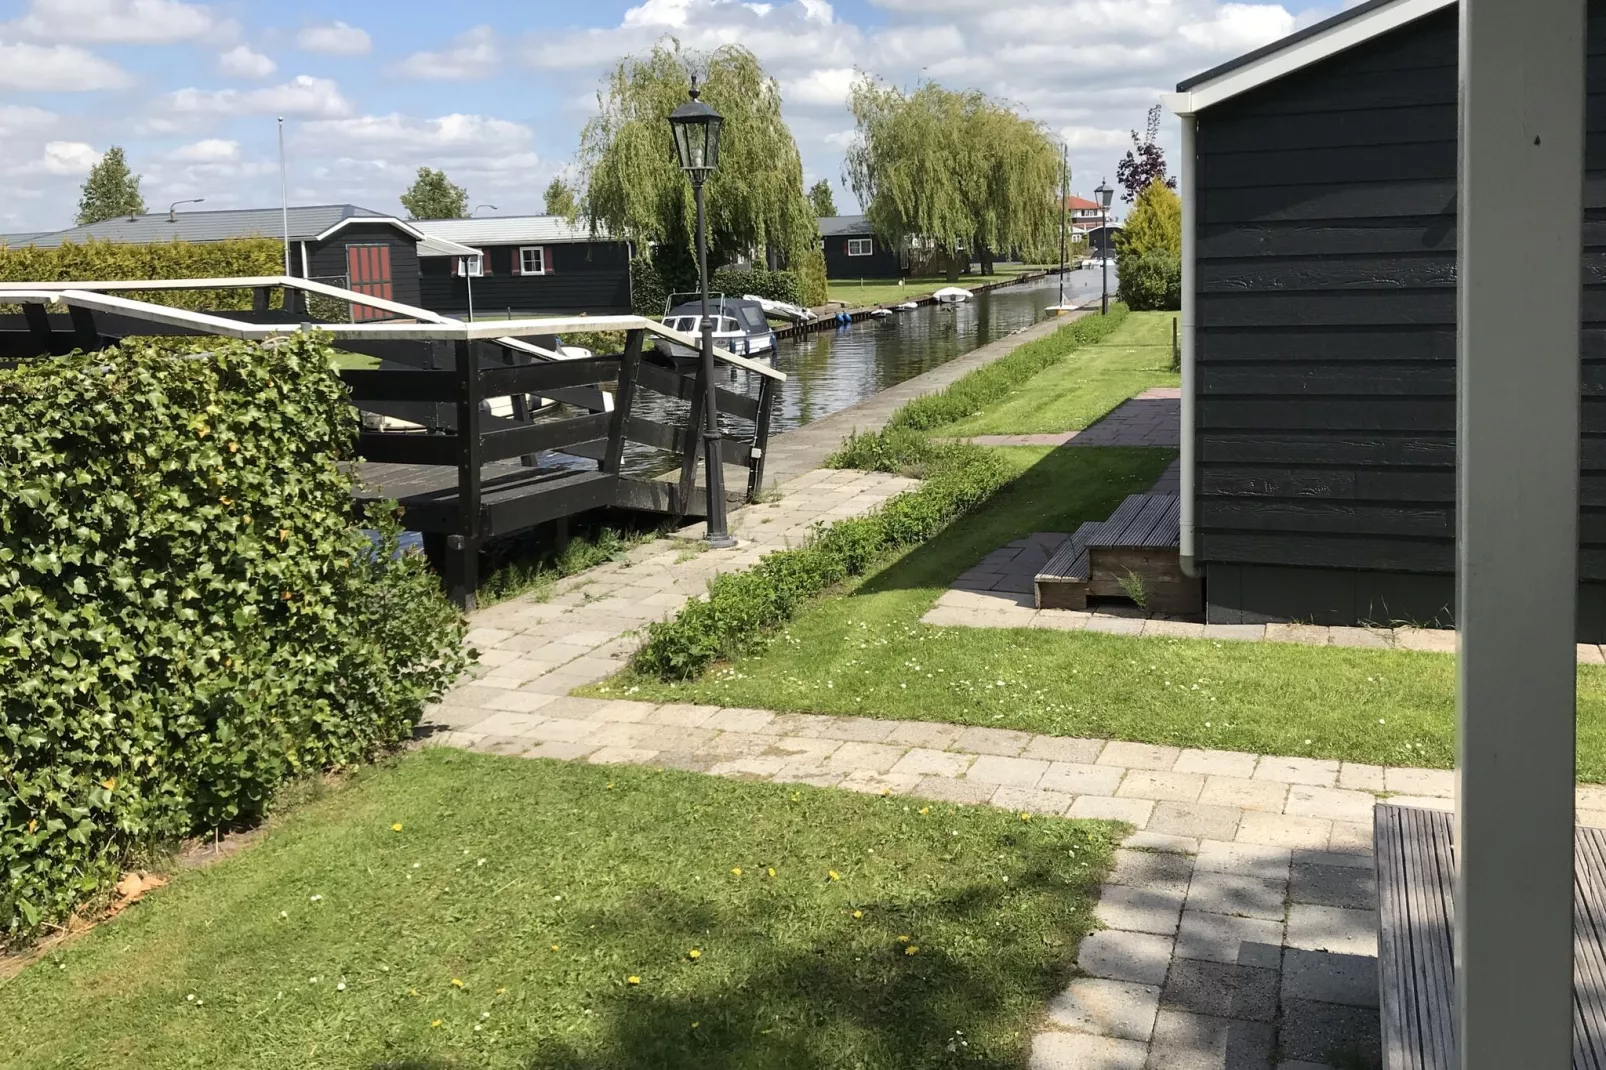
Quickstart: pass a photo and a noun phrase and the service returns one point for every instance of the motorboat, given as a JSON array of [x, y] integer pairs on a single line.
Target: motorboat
[[907, 306], [880, 313], [781, 309], [739, 326], [951, 295]]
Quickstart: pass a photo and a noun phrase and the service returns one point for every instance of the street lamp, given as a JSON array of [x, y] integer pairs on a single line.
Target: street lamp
[[696, 128], [1104, 193], [477, 207], [172, 214]]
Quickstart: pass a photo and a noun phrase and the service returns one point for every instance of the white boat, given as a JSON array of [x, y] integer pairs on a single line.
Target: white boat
[[879, 313], [907, 306], [739, 326], [780, 309], [951, 295]]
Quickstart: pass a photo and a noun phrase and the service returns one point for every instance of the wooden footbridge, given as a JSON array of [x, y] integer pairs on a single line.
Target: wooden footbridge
[[432, 439]]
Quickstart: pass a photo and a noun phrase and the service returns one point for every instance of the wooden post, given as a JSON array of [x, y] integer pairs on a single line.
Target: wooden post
[[1520, 220], [623, 397], [761, 438], [693, 447], [462, 549], [1176, 347]]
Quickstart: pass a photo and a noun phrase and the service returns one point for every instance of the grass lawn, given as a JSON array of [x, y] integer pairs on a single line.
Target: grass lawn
[[458, 910], [859, 293], [864, 651], [1077, 391]]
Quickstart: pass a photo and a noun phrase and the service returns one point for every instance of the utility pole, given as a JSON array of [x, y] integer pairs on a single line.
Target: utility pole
[[1065, 197]]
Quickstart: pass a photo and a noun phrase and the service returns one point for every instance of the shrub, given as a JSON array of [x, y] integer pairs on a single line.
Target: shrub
[[651, 283], [1149, 251], [1151, 282], [104, 261], [188, 613]]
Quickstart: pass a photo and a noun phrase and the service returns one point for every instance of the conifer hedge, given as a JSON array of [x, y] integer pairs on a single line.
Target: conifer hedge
[[190, 613]]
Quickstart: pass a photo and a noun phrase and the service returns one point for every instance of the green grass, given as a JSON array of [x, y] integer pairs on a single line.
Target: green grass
[[861, 293], [864, 651], [1074, 393], [501, 925]]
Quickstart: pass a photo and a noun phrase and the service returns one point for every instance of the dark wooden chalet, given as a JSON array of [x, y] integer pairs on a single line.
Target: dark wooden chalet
[[340, 244], [853, 250], [525, 265], [1319, 261]]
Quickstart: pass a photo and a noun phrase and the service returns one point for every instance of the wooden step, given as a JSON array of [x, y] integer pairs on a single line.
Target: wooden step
[[1140, 540], [1062, 581]]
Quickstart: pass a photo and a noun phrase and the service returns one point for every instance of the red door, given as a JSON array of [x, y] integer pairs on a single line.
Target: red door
[[368, 267]]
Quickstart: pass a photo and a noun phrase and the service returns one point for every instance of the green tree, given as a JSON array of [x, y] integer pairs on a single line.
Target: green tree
[[633, 185], [957, 171], [560, 199], [434, 196], [111, 190], [820, 197], [1149, 250]]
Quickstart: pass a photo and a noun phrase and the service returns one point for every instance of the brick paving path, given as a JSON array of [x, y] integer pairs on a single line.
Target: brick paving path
[[1238, 922], [1152, 418]]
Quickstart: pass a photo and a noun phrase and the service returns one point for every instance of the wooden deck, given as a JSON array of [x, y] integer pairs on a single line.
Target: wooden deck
[[1140, 539], [1415, 919]]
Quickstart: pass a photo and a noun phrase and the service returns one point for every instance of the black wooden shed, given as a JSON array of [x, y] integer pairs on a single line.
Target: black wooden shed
[[1319, 418]]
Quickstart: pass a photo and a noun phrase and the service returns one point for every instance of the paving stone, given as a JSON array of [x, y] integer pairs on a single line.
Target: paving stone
[[1318, 772], [1249, 859], [926, 762], [1016, 772], [562, 730], [945, 789], [1080, 779], [1173, 629], [805, 725], [1139, 755], [621, 756], [1064, 749], [1358, 777], [623, 711], [754, 768], [1122, 956], [1062, 620], [1083, 1051], [735, 719], [1167, 873], [682, 715], [1351, 838], [1264, 795], [1336, 929], [1330, 978], [1098, 622], [1186, 1041], [868, 782], [995, 741], [572, 707], [1333, 886], [444, 715], [1134, 812], [1591, 654], [1335, 858], [1139, 910], [1221, 989], [1423, 802], [857, 729], [1237, 894], [1316, 1032], [923, 734], [805, 747], [1281, 830], [1369, 638], [508, 724], [688, 761], [1106, 1008], [1335, 804], [1432, 782], [564, 751], [808, 773], [1224, 938], [735, 745], [1305, 634], [1031, 800], [875, 757], [1195, 820], [1144, 840], [1237, 632], [1225, 763], [1431, 640], [1161, 786]]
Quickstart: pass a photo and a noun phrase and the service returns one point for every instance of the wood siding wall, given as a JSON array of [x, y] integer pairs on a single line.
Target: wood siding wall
[[589, 277], [1325, 340], [882, 263], [328, 258]]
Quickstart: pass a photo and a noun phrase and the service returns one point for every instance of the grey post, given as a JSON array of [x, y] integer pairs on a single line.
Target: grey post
[[1520, 221], [713, 457]]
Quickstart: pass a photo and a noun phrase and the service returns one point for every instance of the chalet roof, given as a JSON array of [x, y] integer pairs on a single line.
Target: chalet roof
[[1081, 204], [838, 225], [1311, 45], [435, 245], [307, 223], [510, 230], [21, 238]]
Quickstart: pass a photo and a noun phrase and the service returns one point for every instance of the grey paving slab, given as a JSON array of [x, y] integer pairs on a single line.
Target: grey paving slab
[[1222, 989], [1142, 910], [1329, 977], [1333, 886], [1237, 894], [1114, 955], [1225, 938], [1329, 1034], [1083, 1051], [1337, 929], [1106, 1008]]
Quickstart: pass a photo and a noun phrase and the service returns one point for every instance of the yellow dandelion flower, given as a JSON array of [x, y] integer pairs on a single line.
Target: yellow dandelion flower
[[736, 871], [501, 991], [632, 980], [436, 1024], [554, 947], [694, 954], [903, 938], [694, 1025], [858, 913], [457, 982], [833, 875], [925, 809], [911, 950], [397, 827], [772, 871], [412, 991], [1024, 816]]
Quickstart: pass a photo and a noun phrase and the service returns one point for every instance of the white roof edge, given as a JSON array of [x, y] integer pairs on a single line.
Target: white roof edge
[[407, 227], [1300, 52]]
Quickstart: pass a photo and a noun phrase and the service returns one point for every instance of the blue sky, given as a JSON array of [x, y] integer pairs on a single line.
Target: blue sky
[[496, 92]]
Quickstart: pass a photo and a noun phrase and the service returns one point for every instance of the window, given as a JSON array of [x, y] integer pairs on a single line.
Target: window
[[474, 266], [860, 246], [532, 260]]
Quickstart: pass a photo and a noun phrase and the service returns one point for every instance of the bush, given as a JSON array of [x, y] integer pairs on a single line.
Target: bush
[[1149, 251], [1151, 282], [651, 283], [105, 261], [188, 613]]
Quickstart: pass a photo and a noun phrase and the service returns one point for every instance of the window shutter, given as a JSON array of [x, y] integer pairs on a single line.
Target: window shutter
[[485, 261], [457, 263], [518, 261], [546, 260]]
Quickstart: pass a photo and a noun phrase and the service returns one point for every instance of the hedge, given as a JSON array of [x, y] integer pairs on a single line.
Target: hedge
[[104, 261], [649, 289], [189, 612]]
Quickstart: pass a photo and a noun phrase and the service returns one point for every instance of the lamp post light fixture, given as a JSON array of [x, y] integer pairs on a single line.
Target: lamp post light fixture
[[172, 214], [477, 207], [696, 127], [1104, 193]]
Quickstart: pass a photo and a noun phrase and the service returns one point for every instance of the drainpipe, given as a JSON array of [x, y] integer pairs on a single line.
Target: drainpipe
[[1190, 226]]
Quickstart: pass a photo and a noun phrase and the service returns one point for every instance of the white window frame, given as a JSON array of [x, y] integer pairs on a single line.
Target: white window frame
[[861, 246], [474, 266], [524, 266]]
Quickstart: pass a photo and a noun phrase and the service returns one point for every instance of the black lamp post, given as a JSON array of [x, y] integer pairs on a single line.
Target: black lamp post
[[696, 127], [1104, 193]]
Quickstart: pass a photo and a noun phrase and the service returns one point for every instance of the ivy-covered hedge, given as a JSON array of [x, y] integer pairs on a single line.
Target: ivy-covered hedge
[[108, 261], [188, 613]]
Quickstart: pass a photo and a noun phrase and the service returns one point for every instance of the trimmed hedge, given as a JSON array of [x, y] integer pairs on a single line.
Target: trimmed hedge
[[189, 613], [649, 288], [742, 608], [109, 261]]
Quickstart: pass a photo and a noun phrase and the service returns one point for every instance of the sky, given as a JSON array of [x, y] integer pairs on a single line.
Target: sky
[[495, 92]]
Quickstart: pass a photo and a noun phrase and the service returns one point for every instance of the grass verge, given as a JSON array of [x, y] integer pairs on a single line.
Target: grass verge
[[1071, 394], [862, 293], [466, 910], [864, 651]]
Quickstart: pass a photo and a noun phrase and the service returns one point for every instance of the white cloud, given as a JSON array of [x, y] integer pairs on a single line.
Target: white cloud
[[242, 61], [139, 22], [60, 158], [447, 135], [17, 120], [57, 68], [473, 54], [207, 150], [827, 86], [303, 96], [335, 39]]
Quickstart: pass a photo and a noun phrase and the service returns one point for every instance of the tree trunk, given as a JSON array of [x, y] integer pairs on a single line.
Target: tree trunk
[[772, 257], [986, 255], [953, 265]]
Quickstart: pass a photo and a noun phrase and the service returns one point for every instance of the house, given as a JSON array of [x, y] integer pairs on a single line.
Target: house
[[1083, 216], [853, 250], [1101, 241], [525, 265], [343, 244], [1319, 261]]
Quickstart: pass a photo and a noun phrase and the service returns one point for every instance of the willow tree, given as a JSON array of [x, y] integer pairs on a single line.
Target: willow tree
[[633, 184], [951, 170]]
